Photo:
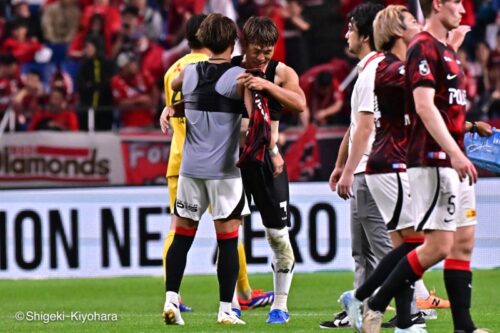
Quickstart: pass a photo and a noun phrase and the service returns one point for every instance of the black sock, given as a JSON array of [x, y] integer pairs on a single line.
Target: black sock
[[458, 285], [383, 269], [402, 275], [403, 306], [227, 267], [176, 261]]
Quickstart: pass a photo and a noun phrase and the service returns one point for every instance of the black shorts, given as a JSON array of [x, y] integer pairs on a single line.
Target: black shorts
[[271, 195]]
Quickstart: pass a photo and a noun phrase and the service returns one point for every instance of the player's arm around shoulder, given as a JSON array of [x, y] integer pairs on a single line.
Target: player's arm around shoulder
[[286, 89]]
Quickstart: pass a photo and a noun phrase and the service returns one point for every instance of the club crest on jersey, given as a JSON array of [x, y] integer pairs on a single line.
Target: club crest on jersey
[[423, 68], [401, 70]]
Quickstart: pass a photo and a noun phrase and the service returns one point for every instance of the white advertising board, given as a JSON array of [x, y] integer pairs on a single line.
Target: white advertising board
[[119, 231]]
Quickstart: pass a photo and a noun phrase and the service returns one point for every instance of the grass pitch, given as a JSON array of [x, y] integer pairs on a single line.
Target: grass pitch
[[137, 304]]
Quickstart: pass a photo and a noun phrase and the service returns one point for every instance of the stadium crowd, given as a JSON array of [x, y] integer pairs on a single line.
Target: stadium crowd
[[60, 58]]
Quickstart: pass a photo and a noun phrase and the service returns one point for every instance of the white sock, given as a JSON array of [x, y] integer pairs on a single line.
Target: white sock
[[280, 302], [421, 290], [225, 307], [235, 304], [171, 297]]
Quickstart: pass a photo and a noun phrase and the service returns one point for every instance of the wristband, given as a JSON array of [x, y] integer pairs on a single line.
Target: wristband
[[275, 151], [474, 127]]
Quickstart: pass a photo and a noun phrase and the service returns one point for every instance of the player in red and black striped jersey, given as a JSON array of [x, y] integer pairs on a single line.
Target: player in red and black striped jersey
[[386, 176], [443, 202], [435, 65], [388, 152]]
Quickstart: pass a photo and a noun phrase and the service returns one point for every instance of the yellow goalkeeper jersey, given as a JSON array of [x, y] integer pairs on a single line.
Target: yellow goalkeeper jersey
[[178, 124]]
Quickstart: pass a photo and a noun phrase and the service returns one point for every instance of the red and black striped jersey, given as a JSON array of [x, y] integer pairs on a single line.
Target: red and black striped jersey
[[433, 64], [388, 152]]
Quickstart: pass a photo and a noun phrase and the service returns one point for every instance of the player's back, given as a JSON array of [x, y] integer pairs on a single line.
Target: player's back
[[213, 110], [388, 152], [435, 65]]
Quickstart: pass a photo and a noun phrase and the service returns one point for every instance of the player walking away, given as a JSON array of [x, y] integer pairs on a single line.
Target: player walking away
[[208, 174], [370, 241], [268, 183], [386, 176], [249, 298], [442, 196]]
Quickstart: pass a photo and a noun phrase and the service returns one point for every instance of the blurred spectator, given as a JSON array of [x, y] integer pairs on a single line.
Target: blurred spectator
[[274, 10], [60, 21], [178, 13], [10, 81], [325, 99], [21, 13], [62, 80], [28, 99], [297, 55], [149, 18], [245, 9], [130, 31], [134, 93], [494, 66], [57, 116], [155, 59], [93, 86], [471, 85], [480, 73], [110, 13], [97, 31], [20, 45]]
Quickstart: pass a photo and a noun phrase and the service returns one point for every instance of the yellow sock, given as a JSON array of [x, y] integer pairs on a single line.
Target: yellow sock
[[243, 285], [166, 245]]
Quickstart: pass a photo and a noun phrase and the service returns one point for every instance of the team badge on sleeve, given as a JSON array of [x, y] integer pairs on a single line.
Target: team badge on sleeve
[[423, 68]]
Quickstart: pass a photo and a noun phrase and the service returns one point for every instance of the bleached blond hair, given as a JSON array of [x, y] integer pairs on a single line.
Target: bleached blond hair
[[388, 26]]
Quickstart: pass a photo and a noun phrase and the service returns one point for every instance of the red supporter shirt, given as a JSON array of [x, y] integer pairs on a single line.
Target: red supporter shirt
[[141, 84], [388, 152], [23, 51], [66, 119], [432, 64]]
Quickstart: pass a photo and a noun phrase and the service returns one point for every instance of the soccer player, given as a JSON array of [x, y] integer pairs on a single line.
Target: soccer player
[[268, 183], [249, 298], [208, 173], [440, 175], [370, 241], [386, 176]]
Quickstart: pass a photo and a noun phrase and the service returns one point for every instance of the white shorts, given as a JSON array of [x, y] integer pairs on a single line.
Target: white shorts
[[225, 197], [391, 192], [440, 201], [467, 215]]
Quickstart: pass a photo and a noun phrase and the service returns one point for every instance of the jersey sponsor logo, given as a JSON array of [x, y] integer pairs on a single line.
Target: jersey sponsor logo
[[447, 59], [457, 96], [187, 206], [423, 68], [470, 213]]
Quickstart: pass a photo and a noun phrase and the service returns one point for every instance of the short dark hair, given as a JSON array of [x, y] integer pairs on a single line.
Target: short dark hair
[[217, 32], [260, 30], [192, 26], [35, 72], [362, 17], [131, 10]]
